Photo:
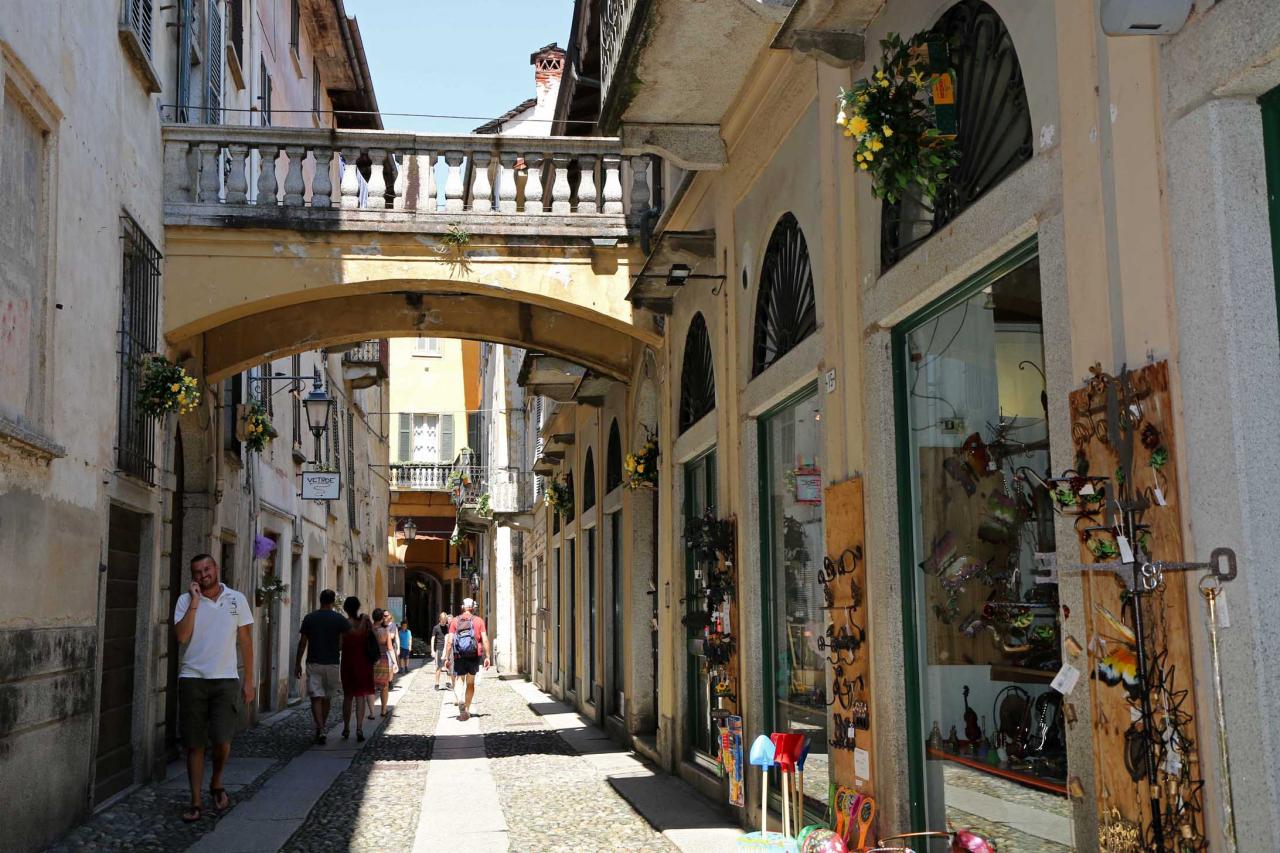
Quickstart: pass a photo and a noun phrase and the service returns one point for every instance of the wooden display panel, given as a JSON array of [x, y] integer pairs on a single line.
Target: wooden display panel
[[1116, 788], [844, 520]]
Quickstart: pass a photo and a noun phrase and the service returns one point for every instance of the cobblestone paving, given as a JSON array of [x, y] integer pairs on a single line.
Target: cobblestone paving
[[552, 799], [150, 819], [1006, 836], [374, 804]]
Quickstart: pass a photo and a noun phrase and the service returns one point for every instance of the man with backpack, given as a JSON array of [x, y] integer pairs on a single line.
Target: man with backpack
[[466, 647]]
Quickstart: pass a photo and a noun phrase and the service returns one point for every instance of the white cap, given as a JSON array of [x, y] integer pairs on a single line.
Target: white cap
[[469, 603]]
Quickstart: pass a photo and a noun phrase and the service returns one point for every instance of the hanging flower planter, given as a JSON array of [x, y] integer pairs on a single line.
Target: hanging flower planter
[[641, 467], [165, 388], [560, 495], [901, 119], [258, 430]]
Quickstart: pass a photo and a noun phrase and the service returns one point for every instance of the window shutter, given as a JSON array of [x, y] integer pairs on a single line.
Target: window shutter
[[405, 450], [186, 22], [140, 13], [446, 438], [214, 63]]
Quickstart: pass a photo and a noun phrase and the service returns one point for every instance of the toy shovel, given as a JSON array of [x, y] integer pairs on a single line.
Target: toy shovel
[[786, 750], [761, 756]]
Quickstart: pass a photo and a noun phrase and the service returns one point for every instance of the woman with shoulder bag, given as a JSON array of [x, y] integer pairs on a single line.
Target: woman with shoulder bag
[[356, 668], [386, 665]]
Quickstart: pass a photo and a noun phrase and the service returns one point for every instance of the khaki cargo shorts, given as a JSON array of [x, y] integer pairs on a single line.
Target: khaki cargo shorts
[[323, 679]]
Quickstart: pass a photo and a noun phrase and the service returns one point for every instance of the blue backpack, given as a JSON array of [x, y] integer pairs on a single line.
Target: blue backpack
[[464, 641]]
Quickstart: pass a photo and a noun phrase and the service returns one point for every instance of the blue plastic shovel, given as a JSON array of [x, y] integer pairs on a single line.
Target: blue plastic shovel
[[761, 756]]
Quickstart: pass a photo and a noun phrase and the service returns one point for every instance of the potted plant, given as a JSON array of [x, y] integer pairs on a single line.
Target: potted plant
[[258, 430], [641, 468], [559, 495], [165, 388]]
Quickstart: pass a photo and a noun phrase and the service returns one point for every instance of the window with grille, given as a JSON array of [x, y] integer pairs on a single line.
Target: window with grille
[[139, 329], [213, 64]]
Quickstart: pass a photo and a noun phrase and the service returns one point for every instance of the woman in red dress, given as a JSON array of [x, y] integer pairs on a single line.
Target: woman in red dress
[[357, 669]]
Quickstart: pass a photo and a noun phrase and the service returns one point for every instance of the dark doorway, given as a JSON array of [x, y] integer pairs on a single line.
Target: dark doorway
[[177, 585], [266, 652], [313, 579], [618, 639], [114, 766]]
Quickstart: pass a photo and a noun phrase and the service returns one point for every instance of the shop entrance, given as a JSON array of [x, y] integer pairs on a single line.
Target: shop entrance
[[982, 621], [699, 497], [113, 769]]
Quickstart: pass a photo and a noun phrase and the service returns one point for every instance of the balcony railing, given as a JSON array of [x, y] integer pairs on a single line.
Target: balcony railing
[[370, 354], [511, 491], [421, 476], [351, 179]]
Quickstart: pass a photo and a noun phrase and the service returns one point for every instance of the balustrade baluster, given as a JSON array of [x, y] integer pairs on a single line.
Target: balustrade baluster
[[639, 186], [507, 182], [420, 189], [481, 186], [294, 186], [267, 173], [350, 186], [612, 184], [587, 184], [560, 184], [237, 182], [210, 166], [453, 188], [377, 198], [322, 182], [533, 202], [400, 186], [177, 172]]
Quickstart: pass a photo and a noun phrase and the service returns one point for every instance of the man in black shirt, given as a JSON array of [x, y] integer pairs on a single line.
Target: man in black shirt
[[438, 635], [321, 641]]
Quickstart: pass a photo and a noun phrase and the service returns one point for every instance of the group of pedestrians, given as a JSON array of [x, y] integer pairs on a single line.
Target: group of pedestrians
[[358, 653]]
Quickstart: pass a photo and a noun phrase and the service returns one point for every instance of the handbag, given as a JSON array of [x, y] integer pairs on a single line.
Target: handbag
[[371, 650]]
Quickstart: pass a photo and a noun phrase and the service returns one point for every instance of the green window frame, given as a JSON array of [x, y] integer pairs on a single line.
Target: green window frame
[[701, 466], [906, 532], [1270, 103]]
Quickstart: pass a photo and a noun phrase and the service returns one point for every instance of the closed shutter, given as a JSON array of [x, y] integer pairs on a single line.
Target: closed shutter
[[213, 61], [446, 438], [405, 447], [186, 24], [140, 22]]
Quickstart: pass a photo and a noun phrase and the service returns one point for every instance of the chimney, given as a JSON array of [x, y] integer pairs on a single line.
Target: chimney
[[548, 66]]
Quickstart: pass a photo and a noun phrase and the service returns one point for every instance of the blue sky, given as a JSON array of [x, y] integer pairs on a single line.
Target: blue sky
[[455, 57]]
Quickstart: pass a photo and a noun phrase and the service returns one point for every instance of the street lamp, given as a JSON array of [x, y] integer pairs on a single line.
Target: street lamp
[[410, 530], [317, 405]]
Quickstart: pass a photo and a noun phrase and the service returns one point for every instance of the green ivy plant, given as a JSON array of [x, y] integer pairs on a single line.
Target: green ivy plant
[[892, 120]]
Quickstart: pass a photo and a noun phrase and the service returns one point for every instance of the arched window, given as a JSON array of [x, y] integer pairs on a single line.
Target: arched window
[[697, 375], [589, 482], [613, 459], [786, 313], [993, 128], [572, 509]]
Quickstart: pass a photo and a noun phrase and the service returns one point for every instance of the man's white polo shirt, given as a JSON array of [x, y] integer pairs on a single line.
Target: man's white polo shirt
[[212, 650]]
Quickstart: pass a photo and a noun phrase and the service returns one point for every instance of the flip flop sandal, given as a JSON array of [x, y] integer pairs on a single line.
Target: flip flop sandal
[[191, 814], [218, 794]]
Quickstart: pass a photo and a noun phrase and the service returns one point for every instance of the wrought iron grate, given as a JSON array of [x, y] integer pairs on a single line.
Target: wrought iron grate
[[786, 312], [139, 328], [697, 375]]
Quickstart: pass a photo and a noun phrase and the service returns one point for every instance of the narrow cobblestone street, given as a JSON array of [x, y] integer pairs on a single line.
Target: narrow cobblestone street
[[505, 779]]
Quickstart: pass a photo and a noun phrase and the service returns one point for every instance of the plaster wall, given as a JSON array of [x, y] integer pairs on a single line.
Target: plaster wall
[[423, 382]]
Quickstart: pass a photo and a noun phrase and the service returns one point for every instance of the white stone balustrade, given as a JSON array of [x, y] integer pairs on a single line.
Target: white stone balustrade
[[421, 476], [353, 179]]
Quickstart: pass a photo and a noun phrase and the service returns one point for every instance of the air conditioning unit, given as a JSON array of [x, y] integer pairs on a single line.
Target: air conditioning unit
[[1144, 17]]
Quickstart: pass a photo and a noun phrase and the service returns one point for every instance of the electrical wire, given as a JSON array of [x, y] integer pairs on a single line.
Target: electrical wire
[[378, 113]]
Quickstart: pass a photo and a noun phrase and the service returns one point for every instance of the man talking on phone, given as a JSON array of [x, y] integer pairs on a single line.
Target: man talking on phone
[[210, 620]]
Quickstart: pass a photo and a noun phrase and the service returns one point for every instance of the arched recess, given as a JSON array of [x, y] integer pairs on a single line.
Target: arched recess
[[589, 481], [641, 687], [592, 340], [993, 122], [697, 375], [572, 510], [786, 310], [613, 459]]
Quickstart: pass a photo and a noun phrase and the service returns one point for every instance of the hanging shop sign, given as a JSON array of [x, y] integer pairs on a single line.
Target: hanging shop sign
[[321, 485]]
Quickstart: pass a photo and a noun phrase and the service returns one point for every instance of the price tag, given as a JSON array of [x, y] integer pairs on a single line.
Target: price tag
[[1126, 550], [1065, 681], [851, 733], [1159, 496], [862, 764]]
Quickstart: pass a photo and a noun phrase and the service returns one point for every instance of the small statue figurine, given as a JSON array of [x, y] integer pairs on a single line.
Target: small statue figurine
[[953, 742], [935, 737]]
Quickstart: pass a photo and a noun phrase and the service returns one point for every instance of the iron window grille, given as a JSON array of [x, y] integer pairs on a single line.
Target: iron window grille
[[589, 482], [786, 312], [613, 459], [993, 123], [139, 329], [697, 375]]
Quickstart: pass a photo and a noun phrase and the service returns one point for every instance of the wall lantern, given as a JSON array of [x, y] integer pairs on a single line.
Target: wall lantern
[[678, 275], [410, 530]]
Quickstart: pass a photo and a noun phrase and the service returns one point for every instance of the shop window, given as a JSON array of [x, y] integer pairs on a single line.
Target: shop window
[[981, 620], [791, 515], [697, 375], [699, 497], [786, 313], [993, 128], [613, 459]]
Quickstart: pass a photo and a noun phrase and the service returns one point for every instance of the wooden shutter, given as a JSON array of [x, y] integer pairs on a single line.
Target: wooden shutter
[[186, 23], [213, 61], [446, 438], [404, 452]]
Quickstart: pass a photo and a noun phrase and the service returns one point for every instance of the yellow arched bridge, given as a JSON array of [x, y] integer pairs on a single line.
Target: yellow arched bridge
[[280, 240]]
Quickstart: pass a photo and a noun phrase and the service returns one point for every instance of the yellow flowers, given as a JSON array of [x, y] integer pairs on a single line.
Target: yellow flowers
[[886, 130], [875, 144], [175, 387], [642, 466], [858, 125]]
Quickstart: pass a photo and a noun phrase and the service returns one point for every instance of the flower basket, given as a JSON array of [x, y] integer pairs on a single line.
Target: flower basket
[[640, 469], [894, 122], [258, 430], [165, 388], [559, 495]]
